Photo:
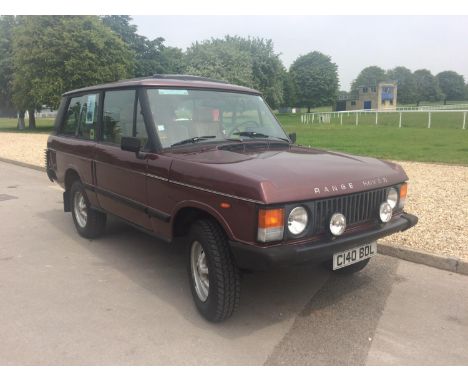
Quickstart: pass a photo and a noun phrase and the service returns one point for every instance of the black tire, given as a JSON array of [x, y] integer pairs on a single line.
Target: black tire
[[350, 269], [95, 220], [223, 274]]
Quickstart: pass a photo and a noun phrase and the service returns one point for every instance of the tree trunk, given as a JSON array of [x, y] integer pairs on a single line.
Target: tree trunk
[[445, 101], [308, 109], [417, 104], [21, 124], [32, 119]]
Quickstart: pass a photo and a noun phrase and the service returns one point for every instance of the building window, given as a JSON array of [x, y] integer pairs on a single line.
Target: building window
[[373, 89], [364, 90], [353, 103]]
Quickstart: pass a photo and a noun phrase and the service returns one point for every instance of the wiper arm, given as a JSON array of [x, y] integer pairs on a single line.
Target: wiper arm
[[254, 134], [250, 134], [193, 140]]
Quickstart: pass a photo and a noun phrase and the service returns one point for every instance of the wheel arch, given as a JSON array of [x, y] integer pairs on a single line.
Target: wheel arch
[[188, 212], [71, 174]]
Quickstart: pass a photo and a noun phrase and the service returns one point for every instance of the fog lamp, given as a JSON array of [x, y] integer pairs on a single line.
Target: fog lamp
[[385, 212], [337, 224]]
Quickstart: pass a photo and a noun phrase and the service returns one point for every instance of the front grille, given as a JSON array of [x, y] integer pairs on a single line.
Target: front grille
[[357, 208]]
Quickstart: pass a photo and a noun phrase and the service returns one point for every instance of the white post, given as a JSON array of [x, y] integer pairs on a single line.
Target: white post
[[341, 119], [464, 120], [399, 124], [429, 121], [357, 119], [376, 118]]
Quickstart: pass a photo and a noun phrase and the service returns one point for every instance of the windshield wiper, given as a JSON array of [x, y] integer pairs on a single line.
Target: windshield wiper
[[250, 134], [193, 140], [254, 134]]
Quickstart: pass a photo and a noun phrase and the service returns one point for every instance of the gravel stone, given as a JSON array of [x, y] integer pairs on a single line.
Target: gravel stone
[[437, 194]]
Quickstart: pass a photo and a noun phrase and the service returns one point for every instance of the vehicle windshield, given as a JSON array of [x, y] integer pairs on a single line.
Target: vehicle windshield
[[183, 116]]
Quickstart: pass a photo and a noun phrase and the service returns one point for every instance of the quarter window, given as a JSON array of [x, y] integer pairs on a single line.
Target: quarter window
[[81, 117]]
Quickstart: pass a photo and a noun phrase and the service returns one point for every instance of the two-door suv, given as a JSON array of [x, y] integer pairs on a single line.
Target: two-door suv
[[189, 156]]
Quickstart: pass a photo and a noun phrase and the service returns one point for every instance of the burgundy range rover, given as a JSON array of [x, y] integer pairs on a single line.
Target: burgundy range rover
[[189, 156]]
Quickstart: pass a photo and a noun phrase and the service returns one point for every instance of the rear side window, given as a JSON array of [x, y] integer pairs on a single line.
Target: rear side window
[[81, 117]]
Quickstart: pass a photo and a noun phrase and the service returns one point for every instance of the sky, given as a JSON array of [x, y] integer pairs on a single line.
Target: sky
[[436, 43]]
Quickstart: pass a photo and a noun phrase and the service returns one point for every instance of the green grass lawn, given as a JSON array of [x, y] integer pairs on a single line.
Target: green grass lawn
[[444, 142], [43, 125]]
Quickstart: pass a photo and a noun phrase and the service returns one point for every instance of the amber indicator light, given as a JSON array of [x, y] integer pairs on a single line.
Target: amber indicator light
[[270, 218], [225, 205], [403, 190]]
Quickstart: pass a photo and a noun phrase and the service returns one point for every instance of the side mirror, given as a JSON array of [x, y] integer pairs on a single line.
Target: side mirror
[[292, 137], [130, 144]]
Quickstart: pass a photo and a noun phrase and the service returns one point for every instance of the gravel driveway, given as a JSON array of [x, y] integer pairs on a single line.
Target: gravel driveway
[[438, 195]]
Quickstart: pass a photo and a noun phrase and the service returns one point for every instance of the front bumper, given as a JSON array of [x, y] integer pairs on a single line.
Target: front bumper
[[259, 258]]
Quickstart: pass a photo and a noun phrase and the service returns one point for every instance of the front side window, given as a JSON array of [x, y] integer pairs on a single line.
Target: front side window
[[81, 117], [119, 119], [118, 115], [184, 114]]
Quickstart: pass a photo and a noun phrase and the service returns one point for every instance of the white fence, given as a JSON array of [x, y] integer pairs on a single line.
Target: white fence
[[328, 117]]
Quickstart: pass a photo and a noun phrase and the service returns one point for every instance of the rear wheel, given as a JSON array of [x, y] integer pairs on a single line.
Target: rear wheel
[[214, 278], [88, 222]]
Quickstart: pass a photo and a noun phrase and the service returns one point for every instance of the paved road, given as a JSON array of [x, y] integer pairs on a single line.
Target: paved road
[[124, 299]]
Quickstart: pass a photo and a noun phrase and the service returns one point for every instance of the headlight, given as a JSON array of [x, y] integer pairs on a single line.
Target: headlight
[[297, 220], [385, 212], [392, 197]]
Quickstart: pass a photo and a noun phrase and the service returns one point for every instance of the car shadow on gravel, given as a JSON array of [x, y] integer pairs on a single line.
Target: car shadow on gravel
[[267, 298]]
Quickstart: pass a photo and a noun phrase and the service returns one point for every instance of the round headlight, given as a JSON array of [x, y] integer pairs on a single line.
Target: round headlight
[[297, 220], [392, 197], [337, 224], [385, 212]]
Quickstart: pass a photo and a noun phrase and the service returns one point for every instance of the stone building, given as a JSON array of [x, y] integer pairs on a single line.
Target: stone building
[[380, 97]]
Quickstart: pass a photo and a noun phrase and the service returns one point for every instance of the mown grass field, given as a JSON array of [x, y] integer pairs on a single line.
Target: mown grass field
[[444, 142], [43, 125]]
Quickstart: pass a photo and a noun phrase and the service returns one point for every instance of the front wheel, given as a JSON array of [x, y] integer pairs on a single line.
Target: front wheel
[[214, 278], [88, 222]]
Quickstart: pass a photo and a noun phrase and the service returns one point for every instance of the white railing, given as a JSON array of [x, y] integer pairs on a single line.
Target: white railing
[[328, 116], [459, 106]]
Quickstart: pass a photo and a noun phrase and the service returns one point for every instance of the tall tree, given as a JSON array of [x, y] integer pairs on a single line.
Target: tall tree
[[407, 92], [370, 76], [151, 56], [452, 85], [7, 24], [220, 60], [53, 54], [427, 86], [243, 61], [315, 78], [267, 67], [289, 90]]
